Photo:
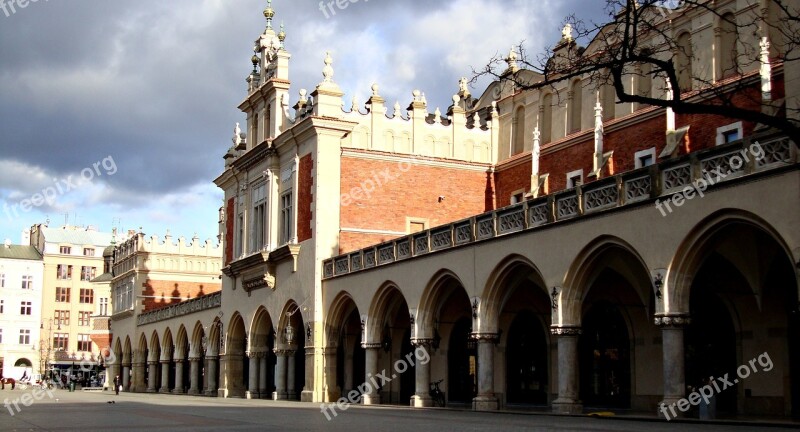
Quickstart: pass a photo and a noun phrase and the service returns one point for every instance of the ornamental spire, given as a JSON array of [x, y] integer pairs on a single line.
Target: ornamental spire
[[269, 13]]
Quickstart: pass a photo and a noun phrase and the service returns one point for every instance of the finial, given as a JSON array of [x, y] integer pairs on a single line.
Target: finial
[[424, 99], [416, 94], [456, 99], [566, 32], [354, 106], [396, 109], [269, 13], [282, 35], [237, 137], [303, 93], [462, 85], [327, 71], [512, 60]]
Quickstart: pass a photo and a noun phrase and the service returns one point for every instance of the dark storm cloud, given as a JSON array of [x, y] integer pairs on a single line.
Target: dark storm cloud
[[155, 84]]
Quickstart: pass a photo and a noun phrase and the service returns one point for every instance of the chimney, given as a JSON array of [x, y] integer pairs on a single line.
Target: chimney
[[8, 243]]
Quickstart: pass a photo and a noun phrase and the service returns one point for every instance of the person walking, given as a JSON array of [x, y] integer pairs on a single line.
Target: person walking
[[117, 384]]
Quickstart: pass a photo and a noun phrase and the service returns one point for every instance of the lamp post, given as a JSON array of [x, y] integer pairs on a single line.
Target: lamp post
[[46, 348]]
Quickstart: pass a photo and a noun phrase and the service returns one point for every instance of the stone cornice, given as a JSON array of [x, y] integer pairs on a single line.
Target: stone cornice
[[566, 331]]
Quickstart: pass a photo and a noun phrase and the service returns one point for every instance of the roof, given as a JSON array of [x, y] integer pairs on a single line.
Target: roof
[[19, 252], [105, 277], [76, 236]]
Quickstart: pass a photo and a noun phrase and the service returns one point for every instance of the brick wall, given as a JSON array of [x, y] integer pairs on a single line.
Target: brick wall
[[625, 143], [380, 195], [305, 199], [160, 288]]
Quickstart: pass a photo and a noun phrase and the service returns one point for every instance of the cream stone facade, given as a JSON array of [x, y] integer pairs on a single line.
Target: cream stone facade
[[544, 247], [73, 257], [154, 281]]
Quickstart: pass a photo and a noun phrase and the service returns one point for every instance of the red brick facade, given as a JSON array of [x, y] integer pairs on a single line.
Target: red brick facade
[[167, 289], [381, 195], [305, 199]]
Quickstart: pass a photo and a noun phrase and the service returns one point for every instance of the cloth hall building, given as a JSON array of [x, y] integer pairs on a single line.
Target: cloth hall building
[[566, 252]]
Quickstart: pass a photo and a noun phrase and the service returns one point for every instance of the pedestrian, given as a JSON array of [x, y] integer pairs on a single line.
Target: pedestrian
[[117, 384]]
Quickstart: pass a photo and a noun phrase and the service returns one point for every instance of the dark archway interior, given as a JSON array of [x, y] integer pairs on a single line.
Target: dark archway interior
[[605, 358], [462, 357], [526, 360], [350, 346]]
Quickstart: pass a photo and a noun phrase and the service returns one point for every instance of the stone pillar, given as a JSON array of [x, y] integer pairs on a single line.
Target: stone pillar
[[252, 386], [372, 396], [211, 390], [422, 396], [280, 376], [332, 391], [126, 377], [291, 391], [262, 375], [308, 390], [673, 357], [164, 376], [567, 401], [194, 376], [486, 400], [152, 376], [179, 385]]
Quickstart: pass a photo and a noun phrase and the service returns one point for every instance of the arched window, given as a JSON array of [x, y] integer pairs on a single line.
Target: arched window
[[607, 101], [728, 55], [575, 106], [547, 118], [644, 82], [684, 61], [254, 136], [519, 131]]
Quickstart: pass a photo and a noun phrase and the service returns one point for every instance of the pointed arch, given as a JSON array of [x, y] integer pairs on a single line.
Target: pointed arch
[[341, 307], [496, 293], [444, 283], [696, 245], [601, 253]]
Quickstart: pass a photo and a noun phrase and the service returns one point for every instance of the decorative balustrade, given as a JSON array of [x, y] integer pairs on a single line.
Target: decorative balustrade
[[194, 305], [757, 154]]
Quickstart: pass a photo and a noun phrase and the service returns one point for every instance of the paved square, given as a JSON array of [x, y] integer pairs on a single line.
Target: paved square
[[81, 411]]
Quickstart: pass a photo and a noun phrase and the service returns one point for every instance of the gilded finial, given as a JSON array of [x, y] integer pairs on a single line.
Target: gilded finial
[[269, 13], [282, 35]]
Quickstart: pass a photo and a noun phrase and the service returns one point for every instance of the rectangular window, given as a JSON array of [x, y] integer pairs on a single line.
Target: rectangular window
[[65, 250], [123, 297], [84, 318], [27, 282], [729, 133], [87, 296], [1, 335], [574, 178], [60, 341], [103, 307], [645, 158], [517, 198], [287, 215], [84, 343], [62, 295], [88, 273], [24, 337], [258, 219], [25, 308], [2, 306], [64, 271], [89, 252], [240, 236], [62, 317], [2, 280]]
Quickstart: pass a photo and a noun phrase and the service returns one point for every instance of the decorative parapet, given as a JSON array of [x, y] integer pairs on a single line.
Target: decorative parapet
[[198, 304], [736, 160]]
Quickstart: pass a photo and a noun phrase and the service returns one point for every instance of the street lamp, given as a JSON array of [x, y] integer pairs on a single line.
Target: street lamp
[[44, 353]]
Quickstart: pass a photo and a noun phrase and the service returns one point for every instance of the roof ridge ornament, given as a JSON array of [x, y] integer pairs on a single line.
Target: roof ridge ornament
[[269, 13], [327, 71]]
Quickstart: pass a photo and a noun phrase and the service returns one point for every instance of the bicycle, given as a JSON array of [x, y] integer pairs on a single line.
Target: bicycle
[[436, 394], [24, 383]]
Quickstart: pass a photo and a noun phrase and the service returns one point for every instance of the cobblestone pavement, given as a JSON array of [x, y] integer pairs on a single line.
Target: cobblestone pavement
[[83, 411]]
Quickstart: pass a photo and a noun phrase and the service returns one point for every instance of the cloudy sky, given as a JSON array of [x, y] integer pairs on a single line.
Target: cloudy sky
[[120, 111]]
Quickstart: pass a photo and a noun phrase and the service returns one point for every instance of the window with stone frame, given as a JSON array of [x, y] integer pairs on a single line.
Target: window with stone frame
[[62, 294], [27, 282], [287, 217], [84, 343], [62, 317], [60, 341], [84, 318], [64, 271], [88, 273], [258, 218], [87, 296]]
